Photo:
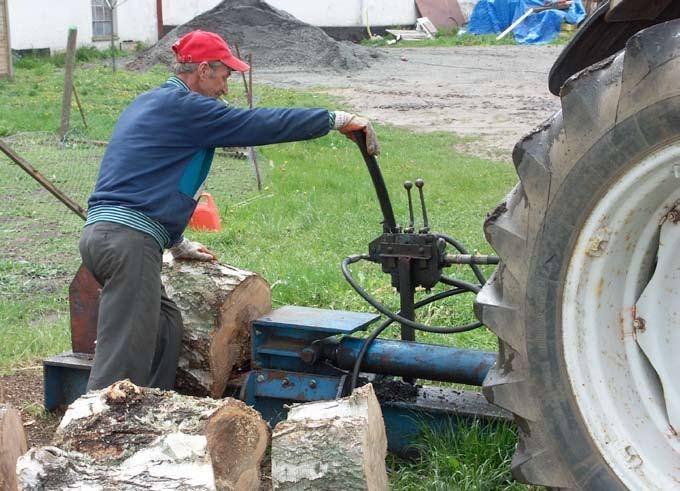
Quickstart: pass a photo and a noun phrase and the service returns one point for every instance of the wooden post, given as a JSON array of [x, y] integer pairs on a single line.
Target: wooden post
[[159, 19], [68, 81], [44, 182], [251, 150], [243, 75], [5, 44], [80, 107]]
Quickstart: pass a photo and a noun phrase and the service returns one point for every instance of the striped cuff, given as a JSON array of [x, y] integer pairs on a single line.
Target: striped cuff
[[130, 218]]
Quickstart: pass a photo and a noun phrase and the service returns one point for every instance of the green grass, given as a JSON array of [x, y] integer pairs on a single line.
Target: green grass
[[318, 206], [83, 54], [451, 38], [467, 457]]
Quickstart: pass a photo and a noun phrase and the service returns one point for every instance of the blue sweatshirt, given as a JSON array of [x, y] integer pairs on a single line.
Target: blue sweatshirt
[[162, 148]]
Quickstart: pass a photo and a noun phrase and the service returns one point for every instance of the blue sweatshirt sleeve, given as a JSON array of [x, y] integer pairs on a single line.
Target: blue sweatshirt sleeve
[[211, 123]]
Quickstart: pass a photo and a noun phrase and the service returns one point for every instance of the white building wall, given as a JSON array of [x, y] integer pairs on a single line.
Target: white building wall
[[350, 13], [177, 12], [136, 20], [36, 24]]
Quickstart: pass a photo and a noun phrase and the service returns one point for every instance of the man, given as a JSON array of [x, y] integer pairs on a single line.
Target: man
[[150, 179]]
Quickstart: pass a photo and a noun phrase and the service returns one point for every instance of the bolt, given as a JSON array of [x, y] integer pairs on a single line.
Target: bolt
[[260, 378], [312, 384], [639, 324], [285, 382], [307, 355], [674, 215]]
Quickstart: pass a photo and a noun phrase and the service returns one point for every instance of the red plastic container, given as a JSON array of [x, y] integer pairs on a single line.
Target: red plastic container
[[205, 215]]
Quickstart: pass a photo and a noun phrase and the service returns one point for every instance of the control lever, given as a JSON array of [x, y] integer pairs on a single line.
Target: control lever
[[408, 185], [426, 226], [389, 223]]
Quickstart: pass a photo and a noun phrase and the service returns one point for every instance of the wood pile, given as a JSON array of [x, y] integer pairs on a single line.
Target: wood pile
[[327, 445], [218, 304], [130, 437], [12, 445]]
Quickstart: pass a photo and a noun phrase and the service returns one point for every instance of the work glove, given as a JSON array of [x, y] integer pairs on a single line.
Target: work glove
[[193, 251], [347, 123]]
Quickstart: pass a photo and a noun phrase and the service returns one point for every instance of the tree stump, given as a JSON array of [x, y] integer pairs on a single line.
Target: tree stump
[[12, 445], [331, 445], [128, 437], [218, 304]]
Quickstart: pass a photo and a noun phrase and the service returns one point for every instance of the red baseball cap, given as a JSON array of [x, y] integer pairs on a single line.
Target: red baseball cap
[[198, 46]]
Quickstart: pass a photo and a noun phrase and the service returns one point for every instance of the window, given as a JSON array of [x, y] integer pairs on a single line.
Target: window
[[102, 19]]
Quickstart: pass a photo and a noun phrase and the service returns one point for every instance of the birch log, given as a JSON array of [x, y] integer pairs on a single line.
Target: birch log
[[12, 445], [218, 304], [126, 437], [330, 445]]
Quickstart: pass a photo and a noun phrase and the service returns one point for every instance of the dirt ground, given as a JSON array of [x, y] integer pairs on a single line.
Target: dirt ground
[[496, 93], [493, 95], [23, 390]]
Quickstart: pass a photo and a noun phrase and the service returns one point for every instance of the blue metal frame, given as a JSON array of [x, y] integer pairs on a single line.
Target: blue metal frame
[[65, 378], [289, 349]]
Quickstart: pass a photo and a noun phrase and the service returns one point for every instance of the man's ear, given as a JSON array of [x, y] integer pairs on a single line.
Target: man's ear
[[203, 69]]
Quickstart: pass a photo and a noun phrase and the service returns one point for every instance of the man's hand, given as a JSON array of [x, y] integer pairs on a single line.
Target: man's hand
[[346, 123], [193, 251]]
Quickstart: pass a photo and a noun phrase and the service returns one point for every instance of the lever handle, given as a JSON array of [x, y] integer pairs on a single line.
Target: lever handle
[[408, 185], [426, 226], [389, 223]]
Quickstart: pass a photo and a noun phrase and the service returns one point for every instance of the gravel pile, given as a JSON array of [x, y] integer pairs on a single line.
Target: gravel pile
[[273, 37]]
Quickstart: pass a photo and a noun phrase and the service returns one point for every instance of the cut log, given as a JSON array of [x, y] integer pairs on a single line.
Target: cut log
[[330, 445], [12, 445], [218, 304], [237, 441], [127, 437]]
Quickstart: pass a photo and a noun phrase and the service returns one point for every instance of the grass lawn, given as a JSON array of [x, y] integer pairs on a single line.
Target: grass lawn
[[317, 207], [451, 38]]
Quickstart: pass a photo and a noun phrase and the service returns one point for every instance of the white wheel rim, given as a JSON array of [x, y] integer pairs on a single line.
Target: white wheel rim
[[619, 394]]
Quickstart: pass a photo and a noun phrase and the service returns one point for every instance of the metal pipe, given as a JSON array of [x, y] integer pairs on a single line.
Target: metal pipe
[[451, 259], [417, 360]]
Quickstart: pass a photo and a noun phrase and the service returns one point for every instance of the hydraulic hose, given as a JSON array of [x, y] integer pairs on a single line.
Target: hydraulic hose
[[388, 313]]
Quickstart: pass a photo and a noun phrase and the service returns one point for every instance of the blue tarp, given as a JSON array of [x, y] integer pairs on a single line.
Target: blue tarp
[[495, 16]]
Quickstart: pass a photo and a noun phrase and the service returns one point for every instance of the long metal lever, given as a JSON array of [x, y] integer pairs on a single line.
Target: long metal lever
[[408, 185], [426, 226], [389, 223]]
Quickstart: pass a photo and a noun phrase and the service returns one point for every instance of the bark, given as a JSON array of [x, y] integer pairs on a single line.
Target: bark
[[12, 445], [127, 437], [330, 445], [218, 304]]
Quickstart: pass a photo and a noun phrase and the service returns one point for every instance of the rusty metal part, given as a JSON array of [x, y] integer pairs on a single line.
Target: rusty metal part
[[84, 293]]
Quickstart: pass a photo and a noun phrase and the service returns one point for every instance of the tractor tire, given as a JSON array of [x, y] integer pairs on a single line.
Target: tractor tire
[[579, 241]]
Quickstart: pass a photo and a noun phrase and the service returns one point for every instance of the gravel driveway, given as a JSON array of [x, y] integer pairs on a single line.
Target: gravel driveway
[[493, 93]]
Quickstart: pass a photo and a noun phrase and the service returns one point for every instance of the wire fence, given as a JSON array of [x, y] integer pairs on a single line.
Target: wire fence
[[40, 234]]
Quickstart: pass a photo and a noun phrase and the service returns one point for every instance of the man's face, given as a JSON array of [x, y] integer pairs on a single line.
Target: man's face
[[212, 80]]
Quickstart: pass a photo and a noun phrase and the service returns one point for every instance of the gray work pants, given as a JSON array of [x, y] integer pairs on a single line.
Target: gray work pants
[[139, 330]]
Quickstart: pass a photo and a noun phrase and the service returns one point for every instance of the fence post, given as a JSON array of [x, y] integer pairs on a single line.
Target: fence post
[[70, 64]]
